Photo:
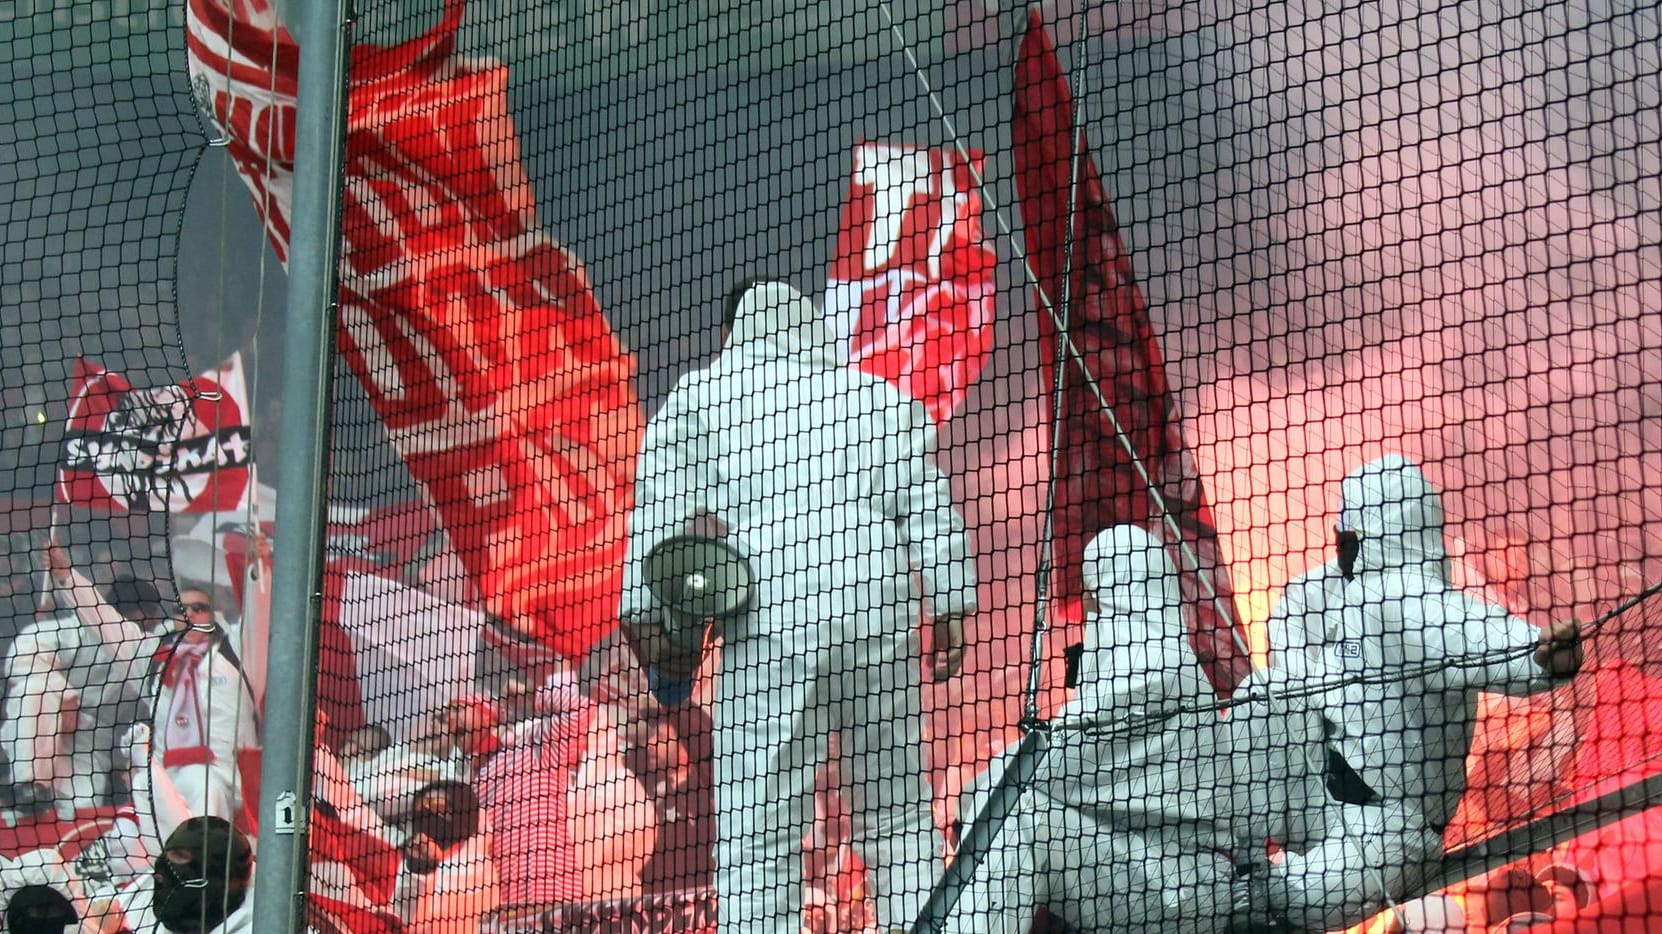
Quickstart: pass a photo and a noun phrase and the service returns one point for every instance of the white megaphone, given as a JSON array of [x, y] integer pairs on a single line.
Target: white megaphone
[[696, 582]]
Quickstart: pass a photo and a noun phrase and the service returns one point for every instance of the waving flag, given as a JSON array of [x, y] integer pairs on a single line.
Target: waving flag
[[477, 337], [1099, 482], [911, 294], [179, 448]]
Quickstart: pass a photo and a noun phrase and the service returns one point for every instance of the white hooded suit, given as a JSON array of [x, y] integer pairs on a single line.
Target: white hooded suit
[[1405, 737], [823, 476], [1139, 827]]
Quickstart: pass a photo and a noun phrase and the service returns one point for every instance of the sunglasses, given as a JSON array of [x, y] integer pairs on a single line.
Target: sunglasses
[[194, 608]]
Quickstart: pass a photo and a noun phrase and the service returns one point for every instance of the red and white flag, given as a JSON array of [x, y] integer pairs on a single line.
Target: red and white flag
[[177, 448], [477, 337], [1098, 480], [911, 292]]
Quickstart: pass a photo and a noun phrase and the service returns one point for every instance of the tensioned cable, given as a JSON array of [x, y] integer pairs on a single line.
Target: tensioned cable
[[251, 381], [1307, 688], [1066, 341]]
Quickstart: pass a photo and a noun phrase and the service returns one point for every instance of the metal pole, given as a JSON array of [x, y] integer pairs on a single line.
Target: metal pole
[[980, 836], [280, 883]]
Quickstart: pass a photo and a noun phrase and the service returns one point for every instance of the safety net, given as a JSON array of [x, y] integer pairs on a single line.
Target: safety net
[[839, 466]]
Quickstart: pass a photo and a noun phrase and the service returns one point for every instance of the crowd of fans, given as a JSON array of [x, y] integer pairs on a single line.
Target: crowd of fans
[[538, 783]]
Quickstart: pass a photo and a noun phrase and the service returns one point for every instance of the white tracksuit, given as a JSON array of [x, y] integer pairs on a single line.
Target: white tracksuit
[[824, 477], [1405, 737], [1298, 617], [1138, 827], [203, 714], [68, 701]]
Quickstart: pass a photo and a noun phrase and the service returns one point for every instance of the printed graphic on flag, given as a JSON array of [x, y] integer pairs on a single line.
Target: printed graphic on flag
[[910, 294], [179, 448]]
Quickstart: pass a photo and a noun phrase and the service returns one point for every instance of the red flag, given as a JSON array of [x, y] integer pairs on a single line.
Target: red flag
[[911, 292], [175, 448], [477, 337], [1098, 483]]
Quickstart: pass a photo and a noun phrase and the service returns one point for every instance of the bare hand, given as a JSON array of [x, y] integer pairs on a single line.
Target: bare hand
[[613, 672], [1559, 651], [947, 648]]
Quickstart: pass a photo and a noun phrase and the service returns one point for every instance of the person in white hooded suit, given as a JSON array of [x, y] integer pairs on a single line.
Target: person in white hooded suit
[[823, 477], [1408, 655], [1143, 822]]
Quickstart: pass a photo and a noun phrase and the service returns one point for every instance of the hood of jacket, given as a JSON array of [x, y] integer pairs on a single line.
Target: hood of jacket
[[1137, 651], [773, 321], [1398, 516]]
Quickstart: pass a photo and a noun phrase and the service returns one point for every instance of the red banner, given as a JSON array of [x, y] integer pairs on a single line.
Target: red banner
[[180, 448], [477, 337], [1116, 452], [911, 292], [690, 912]]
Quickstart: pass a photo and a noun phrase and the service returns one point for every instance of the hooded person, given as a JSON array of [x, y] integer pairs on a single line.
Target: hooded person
[[38, 895], [822, 476], [202, 882], [1147, 801], [1409, 655]]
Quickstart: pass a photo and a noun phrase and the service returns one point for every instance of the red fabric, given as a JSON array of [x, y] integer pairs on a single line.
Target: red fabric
[[525, 789], [1635, 909], [47, 829], [476, 336], [339, 692], [374, 862], [190, 755], [911, 285], [1098, 484], [176, 448]]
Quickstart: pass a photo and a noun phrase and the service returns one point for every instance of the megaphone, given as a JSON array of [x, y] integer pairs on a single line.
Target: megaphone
[[696, 582]]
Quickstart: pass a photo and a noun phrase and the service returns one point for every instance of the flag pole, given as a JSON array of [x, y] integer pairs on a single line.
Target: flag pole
[[321, 29]]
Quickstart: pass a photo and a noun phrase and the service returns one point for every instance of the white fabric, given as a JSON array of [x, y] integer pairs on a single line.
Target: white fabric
[[1137, 826], [136, 905], [39, 867], [388, 781], [452, 898], [1098, 879], [1296, 628], [65, 708], [1406, 730], [1372, 855], [210, 706], [825, 479]]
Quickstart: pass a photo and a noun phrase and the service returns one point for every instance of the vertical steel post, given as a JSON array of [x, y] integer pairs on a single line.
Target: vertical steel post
[[281, 877]]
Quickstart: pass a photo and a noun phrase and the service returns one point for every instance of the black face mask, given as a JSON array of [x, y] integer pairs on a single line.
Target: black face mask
[[1349, 546], [39, 909], [445, 830], [186, 902]]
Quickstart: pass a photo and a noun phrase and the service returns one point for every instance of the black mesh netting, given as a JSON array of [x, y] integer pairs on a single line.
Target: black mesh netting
[[847, 467]]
